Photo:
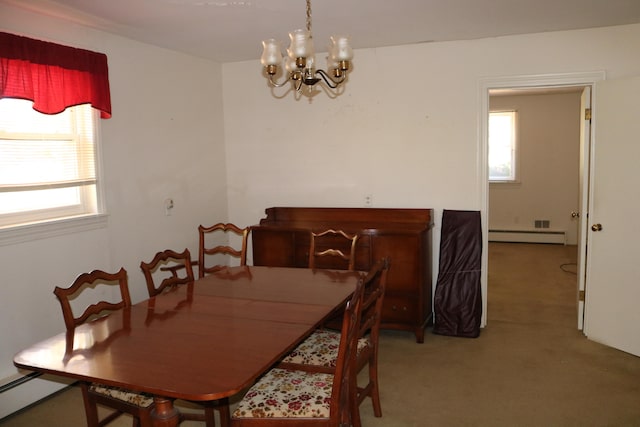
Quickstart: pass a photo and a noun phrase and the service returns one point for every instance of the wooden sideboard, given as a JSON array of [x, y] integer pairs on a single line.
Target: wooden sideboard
[[404, 235]]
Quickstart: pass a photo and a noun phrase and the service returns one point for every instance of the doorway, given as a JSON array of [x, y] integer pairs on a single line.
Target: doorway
[[535, 207], [532, 84]]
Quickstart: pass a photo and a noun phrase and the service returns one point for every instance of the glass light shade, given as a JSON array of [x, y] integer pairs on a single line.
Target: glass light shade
[[340, 48], [271, 55], [290, 64], [301, 45], [332, 63]]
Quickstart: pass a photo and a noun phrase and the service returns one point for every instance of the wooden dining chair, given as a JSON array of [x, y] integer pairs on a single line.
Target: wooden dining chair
[[336, 247], [318, 353], [293, 398], [332, 249], [180, 272], [220, 233], [178, 266], [122, 401]]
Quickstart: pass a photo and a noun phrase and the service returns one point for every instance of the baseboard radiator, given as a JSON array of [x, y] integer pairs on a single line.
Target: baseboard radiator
[[23, 389], [529, 236], [8, 383]]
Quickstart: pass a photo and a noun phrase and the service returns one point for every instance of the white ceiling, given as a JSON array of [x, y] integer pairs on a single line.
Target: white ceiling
[[231, 30]]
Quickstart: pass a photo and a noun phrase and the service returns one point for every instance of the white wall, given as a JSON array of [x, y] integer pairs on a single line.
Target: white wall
[[406, 130], [165, 139], [548, 144]]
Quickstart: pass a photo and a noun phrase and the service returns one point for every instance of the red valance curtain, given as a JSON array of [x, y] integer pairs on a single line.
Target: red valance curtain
[[53, 76]]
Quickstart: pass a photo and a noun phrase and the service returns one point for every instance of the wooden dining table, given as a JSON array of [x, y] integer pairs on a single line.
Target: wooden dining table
[[201, 342]]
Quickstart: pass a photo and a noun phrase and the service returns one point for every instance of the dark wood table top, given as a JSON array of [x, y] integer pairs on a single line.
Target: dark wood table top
[[203, 341]]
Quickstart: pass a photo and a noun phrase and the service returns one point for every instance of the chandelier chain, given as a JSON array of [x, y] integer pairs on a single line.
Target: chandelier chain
[[309, 17]]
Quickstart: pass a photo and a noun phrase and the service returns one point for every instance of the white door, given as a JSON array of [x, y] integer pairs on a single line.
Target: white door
[[583, 198], [612, 316]]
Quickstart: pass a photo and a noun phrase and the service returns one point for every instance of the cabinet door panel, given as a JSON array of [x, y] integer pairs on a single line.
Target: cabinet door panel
[[273, 248], [403, 250]]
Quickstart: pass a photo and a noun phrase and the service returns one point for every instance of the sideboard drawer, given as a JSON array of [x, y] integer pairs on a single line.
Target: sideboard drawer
[[401, 309]]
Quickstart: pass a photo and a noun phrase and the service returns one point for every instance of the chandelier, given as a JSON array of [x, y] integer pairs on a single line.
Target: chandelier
[[300, 60]]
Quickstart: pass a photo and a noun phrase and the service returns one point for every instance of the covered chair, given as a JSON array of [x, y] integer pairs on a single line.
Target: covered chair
[[457, 302], [220, 247], [319, 352], [285, 397], [120, 400]]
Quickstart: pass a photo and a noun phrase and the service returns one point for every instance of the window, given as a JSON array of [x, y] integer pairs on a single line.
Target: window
[[502, 146], [47, 163]]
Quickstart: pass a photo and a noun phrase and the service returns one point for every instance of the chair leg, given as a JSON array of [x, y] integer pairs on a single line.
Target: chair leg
[[354, 400], [209, 416], [375, 393], [143, 419], [225, 415], [355, 418], [90, 406]]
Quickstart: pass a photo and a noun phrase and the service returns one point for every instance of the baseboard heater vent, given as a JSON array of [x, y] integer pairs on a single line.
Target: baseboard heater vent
[[543, 235], [14, 381]]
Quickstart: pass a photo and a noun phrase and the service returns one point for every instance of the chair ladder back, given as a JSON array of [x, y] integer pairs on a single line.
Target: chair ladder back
[[318, 242], [181, 260], [87, 279], [344, 392], [375, 284], [220, 227]]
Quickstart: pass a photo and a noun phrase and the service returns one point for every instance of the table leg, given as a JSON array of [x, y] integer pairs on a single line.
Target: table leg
[[164, 414]]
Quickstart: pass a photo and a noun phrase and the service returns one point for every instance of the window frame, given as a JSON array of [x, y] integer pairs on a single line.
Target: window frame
[[515, 149], [53, 221]]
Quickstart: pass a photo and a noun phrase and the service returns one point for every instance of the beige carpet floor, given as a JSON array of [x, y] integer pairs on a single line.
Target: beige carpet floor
[[529, 367]]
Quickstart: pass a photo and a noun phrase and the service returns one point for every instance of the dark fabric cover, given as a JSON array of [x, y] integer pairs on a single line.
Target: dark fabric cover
[[458, 296]]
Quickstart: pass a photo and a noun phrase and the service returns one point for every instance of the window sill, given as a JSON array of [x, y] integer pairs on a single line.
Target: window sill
[[515, 183], [44, 230]]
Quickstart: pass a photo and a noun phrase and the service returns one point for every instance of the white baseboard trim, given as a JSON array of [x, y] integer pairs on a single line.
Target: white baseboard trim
[[529, 236]]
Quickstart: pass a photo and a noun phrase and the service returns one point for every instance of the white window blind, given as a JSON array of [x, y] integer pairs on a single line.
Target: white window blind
[[47, 163]]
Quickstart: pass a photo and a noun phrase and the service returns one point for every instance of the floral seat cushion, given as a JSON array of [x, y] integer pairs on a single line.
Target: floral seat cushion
[[138, 399], [283, 393], [320, 349]]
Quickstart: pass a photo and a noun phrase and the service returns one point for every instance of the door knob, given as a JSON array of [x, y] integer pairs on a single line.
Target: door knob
[[575, 214], [596, 227]]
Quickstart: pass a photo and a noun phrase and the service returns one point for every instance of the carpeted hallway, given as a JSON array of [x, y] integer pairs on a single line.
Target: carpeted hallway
[[529, 367]]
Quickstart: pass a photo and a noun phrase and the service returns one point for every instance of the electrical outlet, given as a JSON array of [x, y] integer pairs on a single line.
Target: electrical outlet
[[368, 200]]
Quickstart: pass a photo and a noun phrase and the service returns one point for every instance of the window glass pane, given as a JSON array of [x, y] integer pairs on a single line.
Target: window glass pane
[[502, 146]]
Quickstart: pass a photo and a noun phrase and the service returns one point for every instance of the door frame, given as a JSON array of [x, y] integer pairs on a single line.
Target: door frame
[[513, 82]]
